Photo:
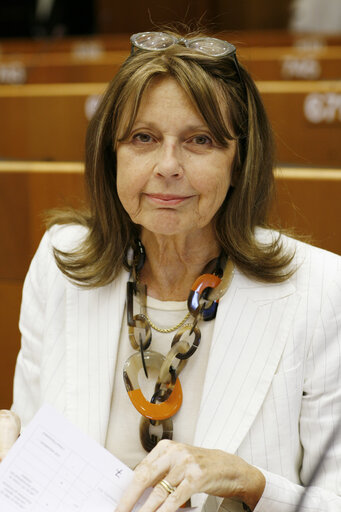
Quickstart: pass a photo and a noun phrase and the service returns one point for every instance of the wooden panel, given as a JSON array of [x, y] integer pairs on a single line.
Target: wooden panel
[[14, 225], [91, 46], [82, 45], [265, 63], [24, 198], [306, 118], [10, 298], [271, 37], [60, 67], [262, 62], [45, 122], [51, 190], [308, 203]]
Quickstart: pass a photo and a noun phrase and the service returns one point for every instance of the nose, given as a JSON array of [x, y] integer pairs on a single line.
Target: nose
[[168, 163]]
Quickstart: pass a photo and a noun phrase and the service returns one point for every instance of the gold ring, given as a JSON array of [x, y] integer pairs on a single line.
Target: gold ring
[[166, 486]]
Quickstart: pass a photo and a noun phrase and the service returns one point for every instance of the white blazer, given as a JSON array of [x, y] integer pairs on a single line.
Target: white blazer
[[272, 391]]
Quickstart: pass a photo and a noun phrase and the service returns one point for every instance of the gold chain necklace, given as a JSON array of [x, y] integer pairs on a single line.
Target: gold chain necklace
[[169, 329], [160, 329]]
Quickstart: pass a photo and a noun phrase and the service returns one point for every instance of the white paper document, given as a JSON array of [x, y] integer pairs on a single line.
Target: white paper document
[[54, 467]]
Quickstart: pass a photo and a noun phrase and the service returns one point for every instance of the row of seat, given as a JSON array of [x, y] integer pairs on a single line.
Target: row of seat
[[69, 75], [95, 44], [264, 63]]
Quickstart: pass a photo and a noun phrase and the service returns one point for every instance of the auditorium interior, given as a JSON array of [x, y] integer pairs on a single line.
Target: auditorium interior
[[56, 58]]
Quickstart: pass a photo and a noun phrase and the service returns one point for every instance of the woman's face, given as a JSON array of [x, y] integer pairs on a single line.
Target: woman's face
[[172, 176]]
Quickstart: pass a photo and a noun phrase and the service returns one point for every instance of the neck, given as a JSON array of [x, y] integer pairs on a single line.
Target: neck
[[174, 262]]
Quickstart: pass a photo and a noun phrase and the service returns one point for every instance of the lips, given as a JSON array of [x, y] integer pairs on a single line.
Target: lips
[[167, 199]]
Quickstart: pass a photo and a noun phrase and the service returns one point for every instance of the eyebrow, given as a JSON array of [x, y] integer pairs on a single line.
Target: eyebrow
[[152, 124]]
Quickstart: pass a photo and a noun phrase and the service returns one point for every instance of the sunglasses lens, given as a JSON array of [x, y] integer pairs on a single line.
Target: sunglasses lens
[[153, 40], [211, 46]]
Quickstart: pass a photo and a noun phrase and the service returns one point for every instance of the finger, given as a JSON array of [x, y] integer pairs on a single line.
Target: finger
[[147, 474], [169, 501], [155, 499], [133, 492], [178, 498]]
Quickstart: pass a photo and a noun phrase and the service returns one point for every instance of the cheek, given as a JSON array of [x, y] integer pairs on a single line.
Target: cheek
[[132, 173], [126, 190], [120, 185], [127, 181], [215, 187]]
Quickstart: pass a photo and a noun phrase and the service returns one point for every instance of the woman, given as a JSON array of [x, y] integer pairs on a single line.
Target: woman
[[179, 173]]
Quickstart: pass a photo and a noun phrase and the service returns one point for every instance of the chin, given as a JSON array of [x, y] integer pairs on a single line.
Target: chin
[[165, 228], [165, 224]]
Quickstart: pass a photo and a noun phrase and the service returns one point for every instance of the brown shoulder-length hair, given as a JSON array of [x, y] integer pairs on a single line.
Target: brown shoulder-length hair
[[207, 80]]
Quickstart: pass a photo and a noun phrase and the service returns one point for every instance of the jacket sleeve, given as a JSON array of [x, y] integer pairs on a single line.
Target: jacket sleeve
[[320, 421], [26, 393], [42, 322], [281, 495]]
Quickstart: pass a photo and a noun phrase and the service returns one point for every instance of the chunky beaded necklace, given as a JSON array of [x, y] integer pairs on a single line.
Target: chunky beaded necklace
[[156, 421]]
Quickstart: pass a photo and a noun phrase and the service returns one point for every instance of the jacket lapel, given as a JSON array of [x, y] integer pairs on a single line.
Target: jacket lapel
[[93, 327], [250, 332], [251, 328]]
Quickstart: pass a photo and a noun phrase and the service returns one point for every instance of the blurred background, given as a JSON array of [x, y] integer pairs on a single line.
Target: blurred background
[[37, 18], [55, 17], [56, 59]]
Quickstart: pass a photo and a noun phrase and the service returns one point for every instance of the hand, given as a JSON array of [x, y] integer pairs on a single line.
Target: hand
[[191, 470], [9, 431]]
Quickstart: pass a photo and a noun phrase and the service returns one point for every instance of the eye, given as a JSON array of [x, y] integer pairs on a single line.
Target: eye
[[142, 137], [202, 140]]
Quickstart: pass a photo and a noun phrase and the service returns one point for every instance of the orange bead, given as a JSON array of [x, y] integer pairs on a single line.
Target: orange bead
[[160, 411], [205, 281]]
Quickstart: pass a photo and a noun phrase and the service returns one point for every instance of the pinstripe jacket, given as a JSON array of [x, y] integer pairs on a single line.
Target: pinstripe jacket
[[272, 391]]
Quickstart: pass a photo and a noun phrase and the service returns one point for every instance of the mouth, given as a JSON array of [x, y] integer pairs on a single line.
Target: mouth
[[167, 199]]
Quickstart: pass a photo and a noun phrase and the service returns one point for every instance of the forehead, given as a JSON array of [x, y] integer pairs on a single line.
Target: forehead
[[165, 94]]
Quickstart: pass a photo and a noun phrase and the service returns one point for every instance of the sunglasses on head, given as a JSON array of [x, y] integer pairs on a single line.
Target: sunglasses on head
[[158, 41]]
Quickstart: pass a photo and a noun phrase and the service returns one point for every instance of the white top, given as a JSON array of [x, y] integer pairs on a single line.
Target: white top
[[123, 435]]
